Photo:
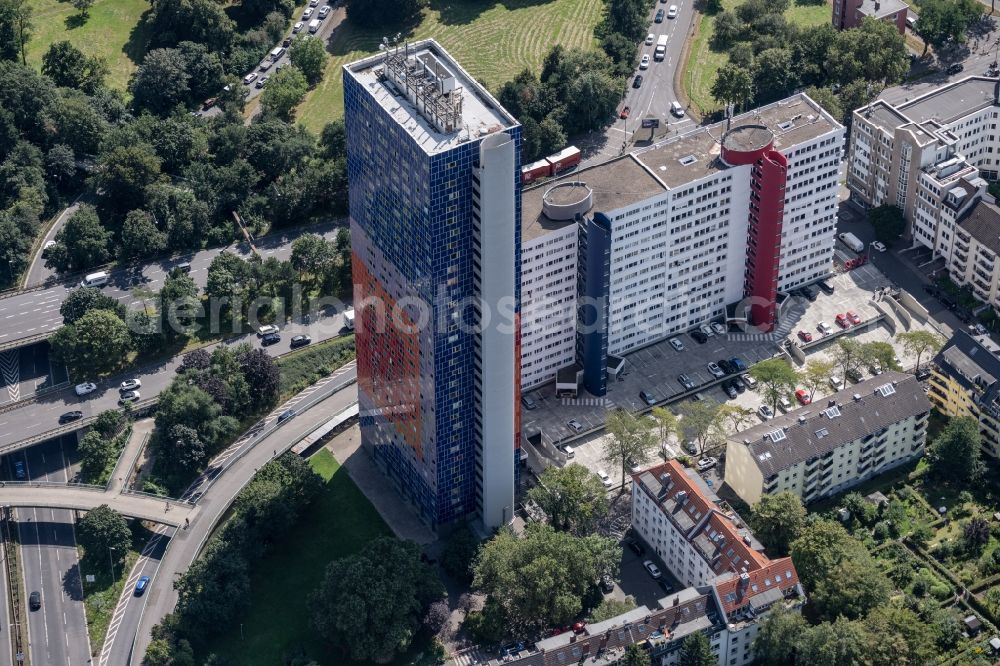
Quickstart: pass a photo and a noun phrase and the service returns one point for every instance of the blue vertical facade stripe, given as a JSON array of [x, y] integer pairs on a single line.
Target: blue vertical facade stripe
[[594, 287]]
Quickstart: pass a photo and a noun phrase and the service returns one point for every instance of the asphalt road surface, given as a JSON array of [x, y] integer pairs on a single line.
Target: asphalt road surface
[[57, 633], [31, 313], [42, 415], [38, 272]]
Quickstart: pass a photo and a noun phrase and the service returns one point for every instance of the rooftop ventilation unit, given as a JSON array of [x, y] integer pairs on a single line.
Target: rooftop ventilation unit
[[787, 125], [688, 160]]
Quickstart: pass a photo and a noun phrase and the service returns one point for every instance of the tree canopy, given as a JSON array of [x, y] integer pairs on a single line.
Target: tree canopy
[[104, 529], [955, 454], [572, 497], [777, 520]]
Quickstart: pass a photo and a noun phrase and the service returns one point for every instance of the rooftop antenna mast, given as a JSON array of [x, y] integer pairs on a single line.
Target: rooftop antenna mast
[[729, 114]]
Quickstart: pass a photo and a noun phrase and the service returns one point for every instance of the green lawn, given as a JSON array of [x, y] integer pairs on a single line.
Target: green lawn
[[309, 365], [704, 62], [276, 625], [109, 32], [492, 40]]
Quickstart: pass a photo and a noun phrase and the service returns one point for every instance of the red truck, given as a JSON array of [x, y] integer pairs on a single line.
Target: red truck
[[551, 165]]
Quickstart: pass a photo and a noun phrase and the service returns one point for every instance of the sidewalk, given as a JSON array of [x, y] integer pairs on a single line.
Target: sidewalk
[[126, 461], [400, 516]]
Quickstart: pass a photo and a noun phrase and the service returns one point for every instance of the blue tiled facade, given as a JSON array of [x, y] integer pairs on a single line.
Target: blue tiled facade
[[411, 225], [593, 289]]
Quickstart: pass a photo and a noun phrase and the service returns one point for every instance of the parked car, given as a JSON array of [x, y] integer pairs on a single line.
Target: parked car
[[605, 479], [676, 344], [270, 339], [636, 547], [765, 412], [287, 42], [85, 388], [837, 382], [677, 109], [324, 12], [730, 390], [824, 328], [876, 369], [784, 404], [647, 398], [298, 27], [803, 396], [739, 364], [140, 585], [707, 463], [265, 329], [718, 328], [574, 425], [854, 375], [879, 245], [299, 341], [659, 16], [528, 402], [715, 370], [805, 336], [699, 337], [606, 584], [637, 81], [568, 450], [19, 472], [853, 317], [307, 14], [262, 81], [739, 384], [130, 384], [685, 381], [69, 417], [249, 78], [826, 287], [749, 380], [665, 586], [841, 320], [128, 396], [811, 292], [726, 366], [47, 246], [653, 570], [643, 63], [706, 329], [955, 68]]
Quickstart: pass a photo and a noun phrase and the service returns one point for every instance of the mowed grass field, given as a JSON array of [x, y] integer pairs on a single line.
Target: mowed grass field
[[704, 62], [276, 625], [108, 32], [492, 39]]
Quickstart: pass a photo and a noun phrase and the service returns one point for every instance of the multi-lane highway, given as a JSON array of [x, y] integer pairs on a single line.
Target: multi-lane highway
[[57, 632], [31, 314]]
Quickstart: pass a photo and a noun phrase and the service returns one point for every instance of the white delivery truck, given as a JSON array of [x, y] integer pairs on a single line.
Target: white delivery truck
[[349, 319], [313, 26], [661, 48], [851, 241]]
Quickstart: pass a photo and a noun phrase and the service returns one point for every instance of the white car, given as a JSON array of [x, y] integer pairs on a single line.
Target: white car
[[765, 413], [575, 425], [307, 14], [784, 403], [653, 570], [85, 388], [130, 384], [128, 396], [568, 450], [879, 245], [718, 328], [313, 3], [298, 27], [644, 63], [676, 344], [605, 479], [49, 244], [707, 330], [824, 328], [836, 381], [266, 329], [716, 370], [249, 78], [650, 38], [707, 463], [672, 11], [324, 12]]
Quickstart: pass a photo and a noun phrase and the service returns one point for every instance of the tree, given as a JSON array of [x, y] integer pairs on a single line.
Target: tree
[[700, 422], [728, 29], [311, 255], [777, 379], [308, 55], [540, 579], [777, 520], [779, 633], [816, 374], [124, 173], [60, 165], [848, 355], [630, 441], [96, 343], [161, 82], [943, 20], [733, 84], [180, 306], [96, 452], [697, 651], [919, 342], [898, 636], [634, 656], [597, 94], [737, 416], [888, 222], [879, 353], [81, 301], [609, 608], [140, 236], [102, 529], [284, 91], [773, 74], [69, 67], [263, 374], [370, 604], [572, 497], [839, 643], [855, 95], [187, 453], [955, 453], [666, 424], [460, 552], [81, 243], [875, 51], [975, 534], [83, 6], [15, 29], [827, 99]]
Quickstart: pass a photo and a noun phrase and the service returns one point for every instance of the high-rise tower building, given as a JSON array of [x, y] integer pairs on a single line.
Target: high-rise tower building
[[433, 165]]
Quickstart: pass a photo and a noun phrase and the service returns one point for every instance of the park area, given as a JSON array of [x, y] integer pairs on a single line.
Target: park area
[[493, 41], [705, 59]]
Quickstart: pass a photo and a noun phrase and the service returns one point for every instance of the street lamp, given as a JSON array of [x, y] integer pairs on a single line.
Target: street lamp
[[111, 561]]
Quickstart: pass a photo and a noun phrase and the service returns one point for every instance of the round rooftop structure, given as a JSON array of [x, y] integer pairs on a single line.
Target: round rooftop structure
[[746, 144], [567, 200]]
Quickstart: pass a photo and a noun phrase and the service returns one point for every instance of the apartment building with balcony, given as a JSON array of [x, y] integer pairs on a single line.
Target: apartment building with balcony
[[831, 445], [973, 257], [671, 235], [965, 381]]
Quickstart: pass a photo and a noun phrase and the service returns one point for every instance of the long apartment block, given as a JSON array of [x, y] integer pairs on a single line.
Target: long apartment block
[[675, 234], [829, 446], [965, 381]]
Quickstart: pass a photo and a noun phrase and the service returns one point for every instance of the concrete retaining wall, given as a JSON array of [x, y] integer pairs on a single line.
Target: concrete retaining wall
[[887, 318], [910, 303]]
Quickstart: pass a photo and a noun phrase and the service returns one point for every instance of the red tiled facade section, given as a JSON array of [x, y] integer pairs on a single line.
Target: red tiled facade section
[[388, 352]]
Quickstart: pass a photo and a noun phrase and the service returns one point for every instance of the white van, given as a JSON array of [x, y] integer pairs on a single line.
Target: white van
[[98, 279], [677, 109], [349, 318], [276, 53], [661, 48], [313, 26]]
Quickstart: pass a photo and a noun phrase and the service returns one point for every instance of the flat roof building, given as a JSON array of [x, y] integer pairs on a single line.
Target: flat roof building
[[826, 447]]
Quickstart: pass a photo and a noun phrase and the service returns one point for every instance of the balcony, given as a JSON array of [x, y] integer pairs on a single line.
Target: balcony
[[960, 257], [863, 468]]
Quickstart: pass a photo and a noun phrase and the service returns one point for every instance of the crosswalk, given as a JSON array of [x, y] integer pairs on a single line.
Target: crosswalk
[[10, 371]]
